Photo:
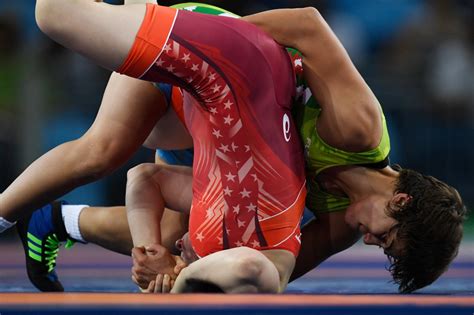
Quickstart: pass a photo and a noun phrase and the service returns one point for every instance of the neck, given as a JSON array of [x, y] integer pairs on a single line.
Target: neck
[[358, 183]]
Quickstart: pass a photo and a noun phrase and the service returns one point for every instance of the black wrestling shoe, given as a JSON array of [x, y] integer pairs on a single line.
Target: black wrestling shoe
[[41, 234]]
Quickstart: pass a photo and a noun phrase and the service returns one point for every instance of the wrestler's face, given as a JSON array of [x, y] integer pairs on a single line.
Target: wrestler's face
[[384, 237], [187, 252], [376, 226]]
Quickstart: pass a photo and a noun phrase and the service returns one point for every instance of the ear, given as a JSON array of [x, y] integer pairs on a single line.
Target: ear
[[400, 199]]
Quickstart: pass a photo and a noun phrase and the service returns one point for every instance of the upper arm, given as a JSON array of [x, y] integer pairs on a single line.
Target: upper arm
[[351, 115]]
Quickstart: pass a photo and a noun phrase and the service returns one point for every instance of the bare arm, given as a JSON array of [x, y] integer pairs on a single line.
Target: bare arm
[[351, 116], [322, 238], [150, 188], [129, 110]]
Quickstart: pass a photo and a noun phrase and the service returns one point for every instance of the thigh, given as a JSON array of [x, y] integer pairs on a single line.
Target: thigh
[[101, 32], [129, 110]]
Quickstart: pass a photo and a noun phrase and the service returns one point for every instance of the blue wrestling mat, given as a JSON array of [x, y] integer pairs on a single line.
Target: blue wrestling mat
[[353, 282]]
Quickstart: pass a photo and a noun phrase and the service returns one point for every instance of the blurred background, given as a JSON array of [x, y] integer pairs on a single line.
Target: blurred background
[[416, 55]]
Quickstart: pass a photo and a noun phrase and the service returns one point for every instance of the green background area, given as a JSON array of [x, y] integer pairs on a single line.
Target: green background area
[[469, 226]]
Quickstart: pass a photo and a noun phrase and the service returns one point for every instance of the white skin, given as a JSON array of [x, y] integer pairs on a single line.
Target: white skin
[[151, 188], [236, 270], [351, 118]]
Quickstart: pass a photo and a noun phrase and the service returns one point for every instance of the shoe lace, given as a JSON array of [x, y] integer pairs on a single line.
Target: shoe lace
[[52, 249]]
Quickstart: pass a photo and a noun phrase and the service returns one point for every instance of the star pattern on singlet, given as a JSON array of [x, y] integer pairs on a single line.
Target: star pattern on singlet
[[233, 152]]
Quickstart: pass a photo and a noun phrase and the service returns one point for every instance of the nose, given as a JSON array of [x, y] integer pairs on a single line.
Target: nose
[[179, 244]]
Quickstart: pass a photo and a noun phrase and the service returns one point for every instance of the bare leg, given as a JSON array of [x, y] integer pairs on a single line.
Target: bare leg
[[129, 110], [108, 228], [101, 32]]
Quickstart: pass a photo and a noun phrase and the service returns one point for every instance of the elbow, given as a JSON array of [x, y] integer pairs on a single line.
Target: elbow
[[309, 18], [138, 173], [141, 176], [309, 23], [309, 14], [142, 187]]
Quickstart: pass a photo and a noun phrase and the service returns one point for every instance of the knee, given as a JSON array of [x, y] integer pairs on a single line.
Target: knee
[[100, 157], [46, 14], [256, 270]]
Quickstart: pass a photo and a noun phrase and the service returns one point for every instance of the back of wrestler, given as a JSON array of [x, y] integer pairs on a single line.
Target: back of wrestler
[[249, 163], [248, 186]]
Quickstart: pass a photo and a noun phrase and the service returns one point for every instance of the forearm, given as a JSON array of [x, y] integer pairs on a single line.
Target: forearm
[[307, 31], [145, 205], [322, 238], [143, 222]]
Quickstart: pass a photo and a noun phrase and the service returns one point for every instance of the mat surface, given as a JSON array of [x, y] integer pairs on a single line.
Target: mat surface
[[353, 282]]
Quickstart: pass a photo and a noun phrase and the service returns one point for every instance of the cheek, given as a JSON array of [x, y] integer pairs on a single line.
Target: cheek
[[389, 223], [383, 225], [350, 218]]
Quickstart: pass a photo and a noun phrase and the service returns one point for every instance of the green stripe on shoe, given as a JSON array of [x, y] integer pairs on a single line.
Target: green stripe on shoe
[[32, 246], [34, 255], [34, 239]]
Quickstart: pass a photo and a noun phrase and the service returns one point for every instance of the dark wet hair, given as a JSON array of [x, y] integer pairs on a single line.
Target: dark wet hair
[[193, 285], [429, 228]]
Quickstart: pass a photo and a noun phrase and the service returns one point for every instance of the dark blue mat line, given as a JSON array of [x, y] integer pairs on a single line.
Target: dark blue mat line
[[247, 310]]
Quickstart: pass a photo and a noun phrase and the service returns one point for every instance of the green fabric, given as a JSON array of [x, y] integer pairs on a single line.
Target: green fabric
[[203, 8], [319, 155]]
